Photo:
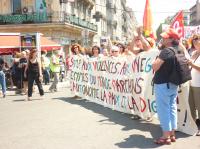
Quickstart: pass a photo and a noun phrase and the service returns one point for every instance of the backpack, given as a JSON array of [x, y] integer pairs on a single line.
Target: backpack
[[181, 72]]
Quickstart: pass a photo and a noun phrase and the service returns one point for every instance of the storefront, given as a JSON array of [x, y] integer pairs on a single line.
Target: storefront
[[10, 43]]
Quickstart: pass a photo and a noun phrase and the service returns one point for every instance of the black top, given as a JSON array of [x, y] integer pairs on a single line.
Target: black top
[[1, 64], [33, 68], [162, 75], [23, 62]]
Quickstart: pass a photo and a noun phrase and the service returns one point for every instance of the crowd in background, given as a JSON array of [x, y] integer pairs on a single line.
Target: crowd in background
[[18, 71]]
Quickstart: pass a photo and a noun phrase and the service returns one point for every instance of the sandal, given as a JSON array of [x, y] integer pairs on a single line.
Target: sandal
[[136, 117], [173, 138], [163, 141]]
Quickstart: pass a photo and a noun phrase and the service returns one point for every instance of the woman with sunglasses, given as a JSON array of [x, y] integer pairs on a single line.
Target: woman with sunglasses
[[76, 49], [194, 100]]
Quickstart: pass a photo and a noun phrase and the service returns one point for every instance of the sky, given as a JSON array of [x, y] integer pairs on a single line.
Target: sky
[[161, 9]]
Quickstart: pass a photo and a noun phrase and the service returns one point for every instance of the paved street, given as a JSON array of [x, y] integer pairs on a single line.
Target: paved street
[[61, 122]]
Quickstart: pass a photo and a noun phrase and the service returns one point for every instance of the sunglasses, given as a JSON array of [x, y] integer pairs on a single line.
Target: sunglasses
[[137, 39], [115, 51], [195, 39]]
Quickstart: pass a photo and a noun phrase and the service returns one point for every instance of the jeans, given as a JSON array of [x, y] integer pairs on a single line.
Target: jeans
[[31, 78], [166, 96], [46, 76], [3, 82], [55, 81]]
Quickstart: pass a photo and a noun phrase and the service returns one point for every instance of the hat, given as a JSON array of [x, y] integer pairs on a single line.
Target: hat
[[114, 48], [170, 33]]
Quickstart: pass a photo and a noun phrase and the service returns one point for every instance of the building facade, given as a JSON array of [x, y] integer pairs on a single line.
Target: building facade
[[131, 24], [65, 21], [115, 20], [69, 21], [121, 21], [195, 14], [99, 16]]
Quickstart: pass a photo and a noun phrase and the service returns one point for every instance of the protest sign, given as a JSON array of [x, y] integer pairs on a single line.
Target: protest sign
[[125, 84]]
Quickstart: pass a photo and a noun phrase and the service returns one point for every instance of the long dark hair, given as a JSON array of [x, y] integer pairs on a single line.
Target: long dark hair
[[32, 52], [94, 48], [194, 37]]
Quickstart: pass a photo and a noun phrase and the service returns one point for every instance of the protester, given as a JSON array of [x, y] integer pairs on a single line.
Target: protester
[[194, 95], [76, 49], [127, 52], [16, 73], [121, 48], [165, 91], [192, 48], [2, 78], [139, 42], [105, 52], [45, 67], [34, 74], [62, 67], [22, 65], [7, 72], [55, 69], [115, 51], [95, 51]]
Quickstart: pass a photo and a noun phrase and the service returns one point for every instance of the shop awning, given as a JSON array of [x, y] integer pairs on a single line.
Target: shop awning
[[49, 45], [11, 43]]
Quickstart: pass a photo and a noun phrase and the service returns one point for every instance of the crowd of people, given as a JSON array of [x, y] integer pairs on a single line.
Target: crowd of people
[[27, 69], [166, 92]]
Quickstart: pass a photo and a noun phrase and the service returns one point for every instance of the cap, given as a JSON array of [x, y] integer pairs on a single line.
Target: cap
[[115, 48], [170, 33]]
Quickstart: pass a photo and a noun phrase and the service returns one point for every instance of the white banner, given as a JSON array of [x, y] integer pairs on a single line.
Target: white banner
[[125, 84], [189, 31]]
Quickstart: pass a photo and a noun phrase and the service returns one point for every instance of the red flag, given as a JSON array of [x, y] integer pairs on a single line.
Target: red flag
[[148, 21], [178, 24]]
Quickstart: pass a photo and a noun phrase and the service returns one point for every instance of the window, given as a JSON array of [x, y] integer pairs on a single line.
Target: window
[[72, 7], [16, 5]]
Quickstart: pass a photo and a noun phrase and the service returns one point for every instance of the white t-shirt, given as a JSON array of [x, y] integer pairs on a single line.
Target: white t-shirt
[[195, 82]]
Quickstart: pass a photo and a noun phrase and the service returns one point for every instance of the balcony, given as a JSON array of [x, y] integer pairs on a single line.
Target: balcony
[[39, 18]]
